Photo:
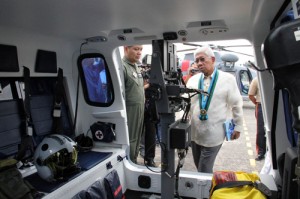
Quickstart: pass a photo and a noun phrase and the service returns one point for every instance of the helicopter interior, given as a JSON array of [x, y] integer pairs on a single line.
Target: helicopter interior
[[69, 33]]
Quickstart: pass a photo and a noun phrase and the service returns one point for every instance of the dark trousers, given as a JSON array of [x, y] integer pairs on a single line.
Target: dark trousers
[[260, 131], [150, 138], [151, 120], [204, 157]]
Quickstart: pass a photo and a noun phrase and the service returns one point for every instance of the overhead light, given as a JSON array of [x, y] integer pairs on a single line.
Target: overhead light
[[216, 30], [182, 33], [97, 39], [121, 37], [209, 23]]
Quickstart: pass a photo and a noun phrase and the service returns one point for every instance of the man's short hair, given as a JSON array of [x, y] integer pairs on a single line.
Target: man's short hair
[[206, 50]]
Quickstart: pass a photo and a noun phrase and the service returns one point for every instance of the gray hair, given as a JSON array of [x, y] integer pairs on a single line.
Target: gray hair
[[206, 50]]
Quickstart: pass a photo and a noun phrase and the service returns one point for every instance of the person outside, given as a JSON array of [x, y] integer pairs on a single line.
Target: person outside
[[150, 128], [91, 72], [103, 85], [151, 120], [254, 96], [134, 97], [208, 113], [191, 71]]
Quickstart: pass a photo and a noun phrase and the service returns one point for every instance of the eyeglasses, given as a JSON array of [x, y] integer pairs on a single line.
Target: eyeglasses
[[200, 59]]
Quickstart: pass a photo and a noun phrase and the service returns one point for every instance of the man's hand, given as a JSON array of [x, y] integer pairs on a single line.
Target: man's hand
[[235, 135], [146, 85]]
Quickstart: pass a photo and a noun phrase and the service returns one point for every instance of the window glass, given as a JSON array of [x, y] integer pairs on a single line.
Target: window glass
[[245, 81], [96, 80], [217, 57]]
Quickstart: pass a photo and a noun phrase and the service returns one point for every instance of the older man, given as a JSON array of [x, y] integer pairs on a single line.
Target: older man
[[208, 113]]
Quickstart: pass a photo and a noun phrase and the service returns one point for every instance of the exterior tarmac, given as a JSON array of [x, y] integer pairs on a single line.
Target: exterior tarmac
[[237, 155]]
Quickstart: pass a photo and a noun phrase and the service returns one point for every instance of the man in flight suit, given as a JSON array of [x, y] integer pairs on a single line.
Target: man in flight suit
[[134, 96]]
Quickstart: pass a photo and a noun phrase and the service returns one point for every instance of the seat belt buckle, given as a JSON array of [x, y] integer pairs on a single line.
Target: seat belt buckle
[[57, 110], [262, 188], [29, 131]]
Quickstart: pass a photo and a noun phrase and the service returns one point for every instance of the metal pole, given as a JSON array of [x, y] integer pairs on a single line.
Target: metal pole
[[167, 158]]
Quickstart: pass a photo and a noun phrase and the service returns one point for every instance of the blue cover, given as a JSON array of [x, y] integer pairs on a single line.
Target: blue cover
[[291, 133], [86, 161], [90, 159], [228, 128]]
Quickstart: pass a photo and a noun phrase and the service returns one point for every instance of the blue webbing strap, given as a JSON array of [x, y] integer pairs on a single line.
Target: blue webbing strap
[[291, 134]]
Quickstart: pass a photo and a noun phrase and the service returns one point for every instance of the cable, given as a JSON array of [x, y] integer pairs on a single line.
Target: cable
[[256, 68], [181, 155], [84, 43], [163, 148], [77, 91], [186, 111], [146, 154]]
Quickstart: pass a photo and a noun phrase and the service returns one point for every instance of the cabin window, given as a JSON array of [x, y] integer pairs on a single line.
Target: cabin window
[[245, 81], [217, 57], [95, 79]]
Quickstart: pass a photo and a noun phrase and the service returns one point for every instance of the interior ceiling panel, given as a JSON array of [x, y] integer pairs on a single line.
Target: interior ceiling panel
[[71, 18]]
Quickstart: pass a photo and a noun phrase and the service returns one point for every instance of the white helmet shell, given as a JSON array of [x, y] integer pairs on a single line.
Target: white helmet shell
[[53, 155]]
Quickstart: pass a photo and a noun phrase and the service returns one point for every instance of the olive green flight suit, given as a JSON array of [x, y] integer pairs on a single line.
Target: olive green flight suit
[[135, 100]]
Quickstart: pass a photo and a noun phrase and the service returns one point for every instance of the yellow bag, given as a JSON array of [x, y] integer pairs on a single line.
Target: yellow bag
[[237, 185]]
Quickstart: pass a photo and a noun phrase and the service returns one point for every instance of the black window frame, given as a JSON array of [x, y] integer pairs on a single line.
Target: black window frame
[[83, 80]]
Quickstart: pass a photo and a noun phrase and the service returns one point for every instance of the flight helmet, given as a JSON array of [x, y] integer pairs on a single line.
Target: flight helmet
[[55, 158]]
